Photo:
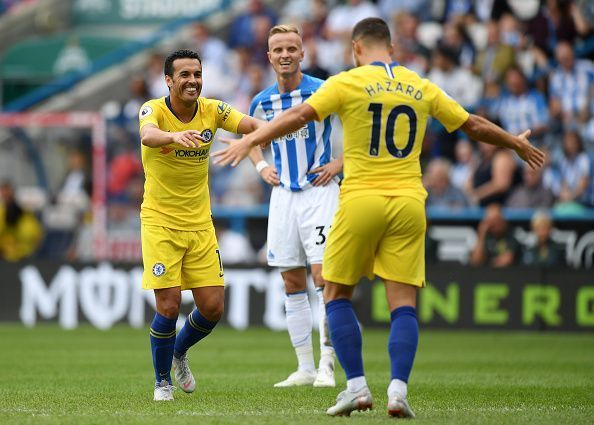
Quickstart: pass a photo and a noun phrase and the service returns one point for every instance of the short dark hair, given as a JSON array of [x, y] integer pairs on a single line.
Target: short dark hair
[[179, 54], [372, 29]]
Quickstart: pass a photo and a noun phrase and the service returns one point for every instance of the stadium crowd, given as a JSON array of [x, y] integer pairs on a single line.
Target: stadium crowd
[[522, 64]]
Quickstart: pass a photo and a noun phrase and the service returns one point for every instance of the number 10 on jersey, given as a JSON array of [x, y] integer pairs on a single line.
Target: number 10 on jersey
[[376, 109]]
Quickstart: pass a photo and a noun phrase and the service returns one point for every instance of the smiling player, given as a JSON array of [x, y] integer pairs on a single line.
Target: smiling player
[[179, 247]]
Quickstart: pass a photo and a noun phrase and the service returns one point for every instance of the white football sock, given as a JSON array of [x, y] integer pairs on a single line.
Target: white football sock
[[356, 384], [397, 388], [299, 324], [326, 348]]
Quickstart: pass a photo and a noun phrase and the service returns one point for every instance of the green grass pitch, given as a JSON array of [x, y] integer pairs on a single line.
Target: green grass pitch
[[86, 376]]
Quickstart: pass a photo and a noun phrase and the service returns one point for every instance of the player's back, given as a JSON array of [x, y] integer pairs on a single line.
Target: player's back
[[384, 110]]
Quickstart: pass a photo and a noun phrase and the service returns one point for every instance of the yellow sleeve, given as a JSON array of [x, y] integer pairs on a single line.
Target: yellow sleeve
[[326, 99], [447, 111], [148, 114], [227, 117]]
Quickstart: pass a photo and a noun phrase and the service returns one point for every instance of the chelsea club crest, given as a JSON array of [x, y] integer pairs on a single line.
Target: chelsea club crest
[[207, 135], [158, 269]]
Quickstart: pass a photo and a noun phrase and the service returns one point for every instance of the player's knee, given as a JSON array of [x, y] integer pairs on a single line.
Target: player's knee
[[334, 291], [168, 302], [294, 282], [213, 310], [168, 308]]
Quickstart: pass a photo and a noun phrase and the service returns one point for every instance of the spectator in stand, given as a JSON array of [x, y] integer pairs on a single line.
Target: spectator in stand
[[216, 62], [138, 95], [441, 193], [487, 10], [20, 232], [462, 86], [531, 193], [465, 163], [492, 62], [570, 85], [575, 169], [408, 50], [459, 83], [456, 9], [213, 51], [313, 68], [339, 24], [545, 252], [154, 76], [494, 178], [311, 18], [76, 186], [243, 26], [588, 127], [552, 24], [457, 39], [495, 246], [418, 8], [343, 17], [582, 12], [123, 168], [520, 107], [252, 82]]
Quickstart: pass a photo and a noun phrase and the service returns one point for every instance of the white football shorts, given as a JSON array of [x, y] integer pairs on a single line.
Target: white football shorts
[[298, 225]]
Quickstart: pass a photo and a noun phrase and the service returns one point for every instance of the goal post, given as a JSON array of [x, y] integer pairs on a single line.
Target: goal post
[[77, 120]]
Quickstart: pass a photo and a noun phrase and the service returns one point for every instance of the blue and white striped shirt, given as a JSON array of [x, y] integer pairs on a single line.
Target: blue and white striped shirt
[[307, 148], [519, 113], [572, 88]]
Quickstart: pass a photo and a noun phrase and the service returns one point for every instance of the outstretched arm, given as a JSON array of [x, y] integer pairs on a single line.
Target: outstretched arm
[[285, 123], [485, 131]]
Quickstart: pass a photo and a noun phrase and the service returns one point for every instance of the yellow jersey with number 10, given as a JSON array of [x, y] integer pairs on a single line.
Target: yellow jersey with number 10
[[176, 186], [384, 110]]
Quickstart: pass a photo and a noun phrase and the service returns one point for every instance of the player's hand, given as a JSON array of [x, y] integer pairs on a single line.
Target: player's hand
[[326, 172], [270, 175], [533, 156], [237, 150], [188, 138]]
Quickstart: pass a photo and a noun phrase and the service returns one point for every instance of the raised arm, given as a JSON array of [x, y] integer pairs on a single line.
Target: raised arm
[[485, 131]]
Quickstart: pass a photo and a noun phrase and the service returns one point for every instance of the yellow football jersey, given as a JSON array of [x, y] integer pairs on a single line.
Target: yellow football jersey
[[384, 110], [176, 186]]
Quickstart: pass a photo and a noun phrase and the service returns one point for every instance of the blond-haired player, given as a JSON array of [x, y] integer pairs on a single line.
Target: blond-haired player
[[303, 201]]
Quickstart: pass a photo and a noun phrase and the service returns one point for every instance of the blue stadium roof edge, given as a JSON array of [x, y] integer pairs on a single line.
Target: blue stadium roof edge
[[65, 82]]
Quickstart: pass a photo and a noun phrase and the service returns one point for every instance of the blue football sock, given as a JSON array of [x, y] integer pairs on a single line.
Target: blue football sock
[[346, 336], [195, 328], [403, 341], [162, 341]]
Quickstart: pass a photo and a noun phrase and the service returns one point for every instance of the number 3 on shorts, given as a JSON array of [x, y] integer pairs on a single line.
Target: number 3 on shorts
[[321, 235]]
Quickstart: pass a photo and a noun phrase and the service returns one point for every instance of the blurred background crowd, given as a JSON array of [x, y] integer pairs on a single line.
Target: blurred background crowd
[[524, 64]]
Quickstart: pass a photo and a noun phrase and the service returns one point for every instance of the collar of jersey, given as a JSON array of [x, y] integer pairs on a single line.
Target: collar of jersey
[[168, 103], [379, 63]]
